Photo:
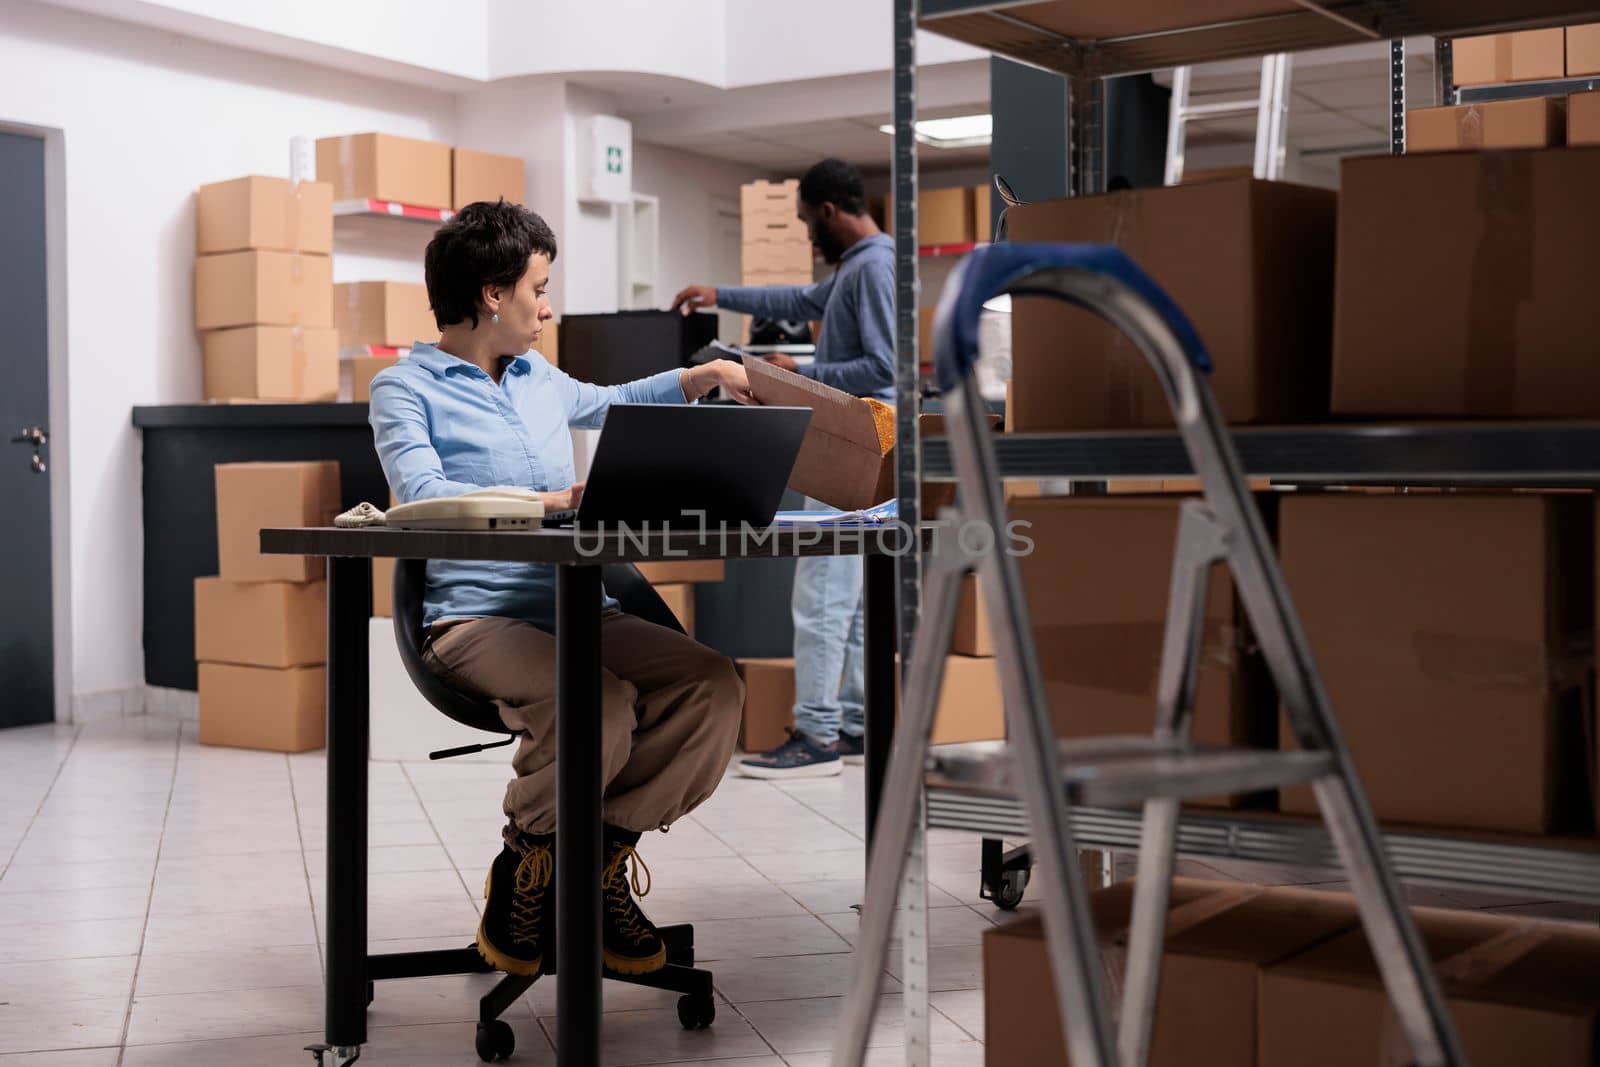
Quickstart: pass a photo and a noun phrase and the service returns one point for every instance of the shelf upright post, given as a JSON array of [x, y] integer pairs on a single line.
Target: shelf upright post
[[908, 488], [1444, 73], [1397, 96]]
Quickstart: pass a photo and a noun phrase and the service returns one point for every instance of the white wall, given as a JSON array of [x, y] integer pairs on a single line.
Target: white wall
[[146, 117]]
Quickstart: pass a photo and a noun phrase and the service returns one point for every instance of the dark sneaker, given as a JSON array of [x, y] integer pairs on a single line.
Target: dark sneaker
[[630, 943], [852, 748], [798, 757], [519, 903]]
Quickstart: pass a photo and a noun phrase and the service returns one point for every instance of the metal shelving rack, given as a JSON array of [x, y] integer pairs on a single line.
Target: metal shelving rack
[[1040, 32]]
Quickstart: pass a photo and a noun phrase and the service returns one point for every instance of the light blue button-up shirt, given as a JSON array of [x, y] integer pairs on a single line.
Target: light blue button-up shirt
[[443, 428]]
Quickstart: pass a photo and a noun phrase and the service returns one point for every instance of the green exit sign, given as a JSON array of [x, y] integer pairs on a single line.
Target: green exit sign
[[613, 159]]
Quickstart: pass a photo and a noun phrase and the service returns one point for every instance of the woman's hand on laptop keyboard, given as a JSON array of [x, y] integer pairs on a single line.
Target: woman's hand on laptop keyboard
[[562, 499]]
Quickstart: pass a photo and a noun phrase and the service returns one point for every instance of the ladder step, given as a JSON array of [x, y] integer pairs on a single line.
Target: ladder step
[[1220, 108], [1122, 770]]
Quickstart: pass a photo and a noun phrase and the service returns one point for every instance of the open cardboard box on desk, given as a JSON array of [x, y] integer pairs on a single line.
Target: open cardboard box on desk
[[847, 458]]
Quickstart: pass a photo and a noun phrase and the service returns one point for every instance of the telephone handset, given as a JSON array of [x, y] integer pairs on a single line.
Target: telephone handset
[[502, 507]]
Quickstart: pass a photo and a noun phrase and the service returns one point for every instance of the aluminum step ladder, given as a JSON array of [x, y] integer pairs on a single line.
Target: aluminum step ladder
[[1155, 771], [1272, 118]]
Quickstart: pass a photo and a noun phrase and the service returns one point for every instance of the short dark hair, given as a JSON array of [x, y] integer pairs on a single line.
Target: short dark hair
[[833, 181], [484, 244]]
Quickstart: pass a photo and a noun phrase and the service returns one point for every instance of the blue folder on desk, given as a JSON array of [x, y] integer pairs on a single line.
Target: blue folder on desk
[[877, 515]]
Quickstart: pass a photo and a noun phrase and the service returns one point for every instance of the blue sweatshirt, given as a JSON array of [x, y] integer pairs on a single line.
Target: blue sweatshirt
[[856, 305]]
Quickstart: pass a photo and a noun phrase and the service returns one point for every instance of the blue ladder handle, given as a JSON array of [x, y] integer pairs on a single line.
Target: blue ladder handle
[[999, 268]]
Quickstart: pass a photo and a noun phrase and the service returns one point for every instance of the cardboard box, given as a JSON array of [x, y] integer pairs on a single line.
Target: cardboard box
[[769, 257], [262, 289], [264, 213], [1453, 663], [1583, 119], [982, 208], [383, 587], [1097, 582], [260, 624], [1531, 55], [383, 313], [478, 176], [271, 363], [776, 201], [670, 572], [1220, 936], [549, 345], [1519, 992], [1536, 123], [776, 277], [1583, 49], [971, 703], [1250, 262], [972, 637], [770, 227], [1464, 285], [679, 598], [847, 458], [253, 496], [262, 707], [362, 370], [381, 166], [768, 703], [944, 217]]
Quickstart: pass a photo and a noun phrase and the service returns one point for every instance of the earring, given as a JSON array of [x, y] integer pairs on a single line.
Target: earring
[[495, 317]]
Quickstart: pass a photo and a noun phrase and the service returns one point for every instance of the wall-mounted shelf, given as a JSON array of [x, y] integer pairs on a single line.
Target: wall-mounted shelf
[[374, 351], [1477, 94], [390, 209]]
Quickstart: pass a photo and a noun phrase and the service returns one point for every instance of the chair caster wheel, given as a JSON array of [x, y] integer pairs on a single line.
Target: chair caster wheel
[[1007, 892], [495, 1041], [696, 1012]]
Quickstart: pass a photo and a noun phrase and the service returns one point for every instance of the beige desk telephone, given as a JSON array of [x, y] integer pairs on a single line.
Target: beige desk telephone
[[495, 508]]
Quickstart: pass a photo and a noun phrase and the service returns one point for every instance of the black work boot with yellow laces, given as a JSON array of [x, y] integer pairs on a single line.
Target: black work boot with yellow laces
[[629, 941], [519, 904]]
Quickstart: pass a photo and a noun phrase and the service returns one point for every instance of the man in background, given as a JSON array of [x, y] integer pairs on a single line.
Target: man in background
[[855, 353]]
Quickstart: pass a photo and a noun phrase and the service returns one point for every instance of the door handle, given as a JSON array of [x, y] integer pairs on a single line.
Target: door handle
[[38, 437]]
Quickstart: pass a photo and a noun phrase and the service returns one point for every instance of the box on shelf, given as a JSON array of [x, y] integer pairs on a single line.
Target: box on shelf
[[1097, 581], [478, 176], [383, 313], [1464, 285], [846, 460], [264, 213], [549, 345], [1250, 262], [1535, 123], [982, 208], [1519, 992], [383, 587], [944, 217], [1530, 55], [1454, 663], [972, 636], [768, 703], [271, 363], [1583, 119], [679, 598], [1583, 49], [381, 166], [361, 371], [254, 496], [258, 288], [769, 200], [260, 624], [670, 572], [278, 710], [1220, 937], [971, 705]]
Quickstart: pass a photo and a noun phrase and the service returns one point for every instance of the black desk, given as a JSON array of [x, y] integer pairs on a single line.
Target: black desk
[[578, 792]]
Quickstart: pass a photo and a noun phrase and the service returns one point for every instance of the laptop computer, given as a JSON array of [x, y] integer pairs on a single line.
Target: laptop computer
[[655, 462]]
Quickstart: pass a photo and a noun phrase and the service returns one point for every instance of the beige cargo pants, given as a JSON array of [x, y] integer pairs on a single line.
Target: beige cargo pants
[[670, 708]]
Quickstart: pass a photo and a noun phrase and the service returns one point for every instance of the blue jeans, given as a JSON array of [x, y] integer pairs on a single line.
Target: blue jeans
[[829, 654]]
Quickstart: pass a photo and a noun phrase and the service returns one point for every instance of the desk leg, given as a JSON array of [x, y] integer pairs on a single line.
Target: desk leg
[[881, 641], [578, 832], [349, 608]]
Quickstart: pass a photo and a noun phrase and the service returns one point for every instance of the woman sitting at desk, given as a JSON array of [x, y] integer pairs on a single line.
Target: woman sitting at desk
[[477, 410]]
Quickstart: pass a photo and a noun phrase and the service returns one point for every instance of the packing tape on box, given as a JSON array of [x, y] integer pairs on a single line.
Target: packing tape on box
[[1502, 280], [347, 166], [1498, 663], [299, 361], [1504, 57], [1463, 972], [1180, 920]]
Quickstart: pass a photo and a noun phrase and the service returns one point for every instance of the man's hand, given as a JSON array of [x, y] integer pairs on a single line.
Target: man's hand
[[562, 499], [698, 381], [694, 297], [782, 361]]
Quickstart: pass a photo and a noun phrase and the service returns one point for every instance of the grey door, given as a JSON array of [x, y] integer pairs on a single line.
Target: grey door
[[27, 657]]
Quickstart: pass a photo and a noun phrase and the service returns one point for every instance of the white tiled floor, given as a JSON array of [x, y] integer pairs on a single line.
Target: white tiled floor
[[161, 903]]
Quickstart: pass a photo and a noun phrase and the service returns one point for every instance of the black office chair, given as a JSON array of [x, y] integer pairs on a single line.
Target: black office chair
[[495, 1040]]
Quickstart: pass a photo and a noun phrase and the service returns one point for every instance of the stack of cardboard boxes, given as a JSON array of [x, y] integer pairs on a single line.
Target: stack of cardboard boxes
[[264, 290], [383, 315], [1255, 977], [775, 248], [261, 624]]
